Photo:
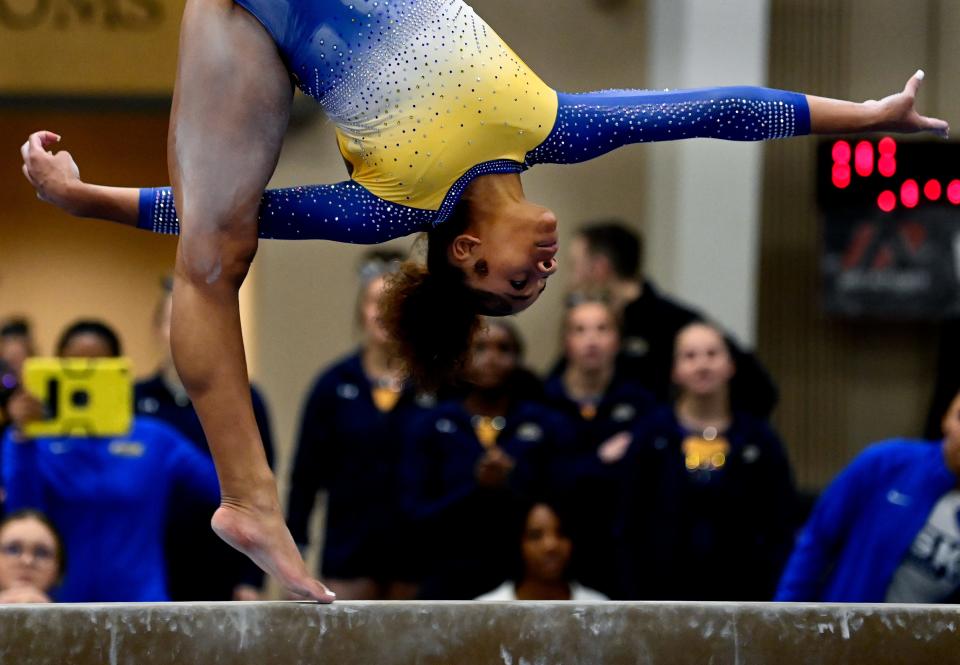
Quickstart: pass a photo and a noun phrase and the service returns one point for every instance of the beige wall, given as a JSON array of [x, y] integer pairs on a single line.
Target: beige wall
[[54, 268]]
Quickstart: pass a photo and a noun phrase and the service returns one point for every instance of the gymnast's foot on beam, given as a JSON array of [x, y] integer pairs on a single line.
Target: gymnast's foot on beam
[[260, 532]]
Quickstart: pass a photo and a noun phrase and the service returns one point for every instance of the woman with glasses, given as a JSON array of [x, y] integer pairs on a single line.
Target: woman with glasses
[[32, 559]]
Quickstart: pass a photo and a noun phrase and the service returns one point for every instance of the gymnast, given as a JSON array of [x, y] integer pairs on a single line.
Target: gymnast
[[436, 117]]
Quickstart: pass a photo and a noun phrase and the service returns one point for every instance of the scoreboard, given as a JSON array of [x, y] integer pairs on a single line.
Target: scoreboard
[[890, 214]]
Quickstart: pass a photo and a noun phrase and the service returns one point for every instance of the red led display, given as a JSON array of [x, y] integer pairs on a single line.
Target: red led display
[[933, 190], [863, 159], [887, 201]]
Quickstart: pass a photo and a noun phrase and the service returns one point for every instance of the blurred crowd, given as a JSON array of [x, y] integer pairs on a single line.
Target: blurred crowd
[[641, 466]]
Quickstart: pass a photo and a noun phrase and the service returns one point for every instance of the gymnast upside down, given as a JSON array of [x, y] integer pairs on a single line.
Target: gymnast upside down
[[436, 118]]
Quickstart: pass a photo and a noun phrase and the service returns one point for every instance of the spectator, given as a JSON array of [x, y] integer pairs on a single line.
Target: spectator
[[709, 498], [349, 446], [544, 567], [16, 345], [108, 496], [886, 529], [468, 464], [603, 407], [32, 559], [200, 566], [609, 256]]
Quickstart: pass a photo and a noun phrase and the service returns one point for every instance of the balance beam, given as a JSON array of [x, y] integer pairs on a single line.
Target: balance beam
[[377, 633]]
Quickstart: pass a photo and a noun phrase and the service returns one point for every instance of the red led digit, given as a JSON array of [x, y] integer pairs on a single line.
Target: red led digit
[[841, 176], [933, 190], [953, 192], [910, 194], [887, 164], [841, 152], [863, 159], [887, 201]]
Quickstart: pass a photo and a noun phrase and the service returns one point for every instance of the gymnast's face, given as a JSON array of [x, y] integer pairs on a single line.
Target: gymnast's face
[[508, 258]]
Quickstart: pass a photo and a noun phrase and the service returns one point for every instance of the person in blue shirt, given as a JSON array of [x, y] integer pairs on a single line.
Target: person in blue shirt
[[469, 463], [350, 446], [708, 492], [436, 119], [886, 529], [109, 497], [200, 566], [603, 407]]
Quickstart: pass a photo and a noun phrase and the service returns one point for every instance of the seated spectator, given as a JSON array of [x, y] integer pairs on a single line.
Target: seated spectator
[[708, 491], [609, 257], [108, 496], [32, 560], [603, 407], [469, 462], [349, 445], [200, 566], [544, 567], [886, 528]]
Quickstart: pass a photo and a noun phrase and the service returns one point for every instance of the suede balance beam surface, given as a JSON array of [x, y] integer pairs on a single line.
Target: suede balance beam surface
[[478, 634]]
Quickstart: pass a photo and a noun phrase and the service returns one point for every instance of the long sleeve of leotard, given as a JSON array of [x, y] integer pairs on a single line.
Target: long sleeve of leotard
[[343, 212], [591, 124]]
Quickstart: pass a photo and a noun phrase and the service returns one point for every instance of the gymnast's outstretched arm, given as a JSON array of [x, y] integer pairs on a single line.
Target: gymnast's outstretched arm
[[342, 212], [591, 124]]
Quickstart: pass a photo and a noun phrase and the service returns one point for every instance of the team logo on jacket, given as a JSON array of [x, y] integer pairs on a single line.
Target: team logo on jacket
[[623, 413], [348, 391], [425, 400], [446, 426], [126, 449], [636, 347], [148, 405], [751, 454], [529, 432]]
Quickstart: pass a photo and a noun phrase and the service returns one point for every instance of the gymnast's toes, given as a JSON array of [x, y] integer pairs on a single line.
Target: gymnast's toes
[[263, 536]]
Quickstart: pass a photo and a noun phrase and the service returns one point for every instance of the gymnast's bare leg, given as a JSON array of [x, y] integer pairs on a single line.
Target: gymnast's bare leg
[[231, 104]]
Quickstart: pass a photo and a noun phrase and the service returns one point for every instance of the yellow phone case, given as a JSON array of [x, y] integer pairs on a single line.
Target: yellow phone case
[[82, 396]]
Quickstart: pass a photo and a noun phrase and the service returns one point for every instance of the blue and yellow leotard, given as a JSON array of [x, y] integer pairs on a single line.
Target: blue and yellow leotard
[[426, 97]]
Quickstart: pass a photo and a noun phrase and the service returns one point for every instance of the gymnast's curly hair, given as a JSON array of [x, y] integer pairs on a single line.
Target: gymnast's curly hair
[[430, 313]]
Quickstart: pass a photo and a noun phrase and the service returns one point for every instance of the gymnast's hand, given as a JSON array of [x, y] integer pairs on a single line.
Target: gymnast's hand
[[898, 112], [55, 176]]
